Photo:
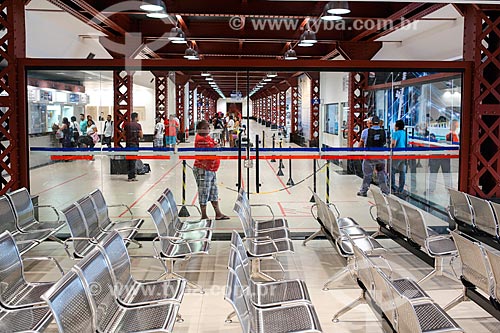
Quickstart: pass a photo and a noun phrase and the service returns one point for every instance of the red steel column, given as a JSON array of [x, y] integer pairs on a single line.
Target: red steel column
[[274, 109], [357, 106], [315, 105], [161, 94], [14, 146], [294, 107], [282, 109], [192, 87], [123, 106], [480, 123], [180, 95]]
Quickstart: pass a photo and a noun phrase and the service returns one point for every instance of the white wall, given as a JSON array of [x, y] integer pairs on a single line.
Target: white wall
[[333, 89], [56, 34], [221, 105]]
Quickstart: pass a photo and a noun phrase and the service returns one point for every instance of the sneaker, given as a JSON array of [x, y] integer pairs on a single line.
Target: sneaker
[[361, 194], [132, 179]]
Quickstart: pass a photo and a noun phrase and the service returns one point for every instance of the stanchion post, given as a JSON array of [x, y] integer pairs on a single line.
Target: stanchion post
[[314, 180], [263, 139], [183, 212], [290, 181], [240, 174], [274, 137], [328, 181], [257, 165], [282, 166]]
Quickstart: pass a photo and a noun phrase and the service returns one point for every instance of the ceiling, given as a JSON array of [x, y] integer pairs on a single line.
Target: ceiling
[[244, 29]]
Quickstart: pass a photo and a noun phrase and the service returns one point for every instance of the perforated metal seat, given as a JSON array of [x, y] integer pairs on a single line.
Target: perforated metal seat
[[167, 198], [15, 291], [494, 260], [130, 291], [105, 223], [35, 319], [25, 214], [110, 316], [475, 266], [398, 221], [173, 246], [460, 209], [246, 222], [263, 294], [282, 319], [260, 225], [484, 216], [82, 243], [383, 215]]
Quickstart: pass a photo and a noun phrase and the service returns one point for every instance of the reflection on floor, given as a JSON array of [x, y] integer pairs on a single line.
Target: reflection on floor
[[60, 184]]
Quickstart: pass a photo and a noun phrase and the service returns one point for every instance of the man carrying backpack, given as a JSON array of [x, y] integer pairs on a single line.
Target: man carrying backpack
[[373, 137]]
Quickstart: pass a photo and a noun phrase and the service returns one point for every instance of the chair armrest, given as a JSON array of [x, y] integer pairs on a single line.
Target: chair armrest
[[436, 238], [174, 241], [25, 306], [122, 205], [197, 208], [331, 204], [71, 239], [374, 218], [56, 263], [51, 207], [263, 239], [264, 205], [312, 211], [120, 229]]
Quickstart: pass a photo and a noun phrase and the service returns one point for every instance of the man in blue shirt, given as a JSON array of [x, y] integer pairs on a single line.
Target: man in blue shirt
[[373, 137], [398, 141], [83, 125]]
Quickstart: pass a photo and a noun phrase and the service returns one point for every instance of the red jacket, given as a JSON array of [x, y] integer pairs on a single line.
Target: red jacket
[[206, 142]]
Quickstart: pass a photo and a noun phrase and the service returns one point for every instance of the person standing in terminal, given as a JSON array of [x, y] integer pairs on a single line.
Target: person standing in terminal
[[108, 131], [398, 166], [83, 125], [171, 131], [159, 134], [205, 173], [133, 132], [373, 137]]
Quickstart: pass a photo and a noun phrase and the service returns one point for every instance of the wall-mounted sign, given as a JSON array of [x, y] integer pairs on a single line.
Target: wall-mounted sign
[[45, 96]]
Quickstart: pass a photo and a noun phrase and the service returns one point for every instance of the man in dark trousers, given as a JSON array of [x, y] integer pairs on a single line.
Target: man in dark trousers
[[373, 137], [133, 132]]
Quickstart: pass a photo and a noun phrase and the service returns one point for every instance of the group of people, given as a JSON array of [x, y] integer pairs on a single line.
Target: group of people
[[165, 134], [374, 136], [84, 133], [228, 128]]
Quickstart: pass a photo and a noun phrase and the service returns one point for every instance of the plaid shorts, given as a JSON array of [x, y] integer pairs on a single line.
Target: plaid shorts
[[207, 185]]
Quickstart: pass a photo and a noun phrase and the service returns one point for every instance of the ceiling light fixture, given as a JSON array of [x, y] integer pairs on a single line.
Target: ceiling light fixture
[[191, 54], [205, 74], [308, 37], [290, 55], [161, 14], [152, 5], [268, 79], [177, 35], [337, 7], [303, 43], [272, 74]]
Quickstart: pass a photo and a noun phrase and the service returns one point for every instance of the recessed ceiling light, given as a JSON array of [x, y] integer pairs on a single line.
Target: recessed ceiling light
[[157, 15], [205, 74], [152, 5], [337, 7]]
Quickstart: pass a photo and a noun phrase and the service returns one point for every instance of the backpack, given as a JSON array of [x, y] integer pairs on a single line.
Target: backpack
[[376, 138]]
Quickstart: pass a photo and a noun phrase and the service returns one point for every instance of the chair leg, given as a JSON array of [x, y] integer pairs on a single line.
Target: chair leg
[[349, 307], [229, 318], [170, 274], [258, 272], [459, 299], [428, 276], [377, 234], [313, 236], [55, 239], [179, 318], [339, 275], [134, 242]]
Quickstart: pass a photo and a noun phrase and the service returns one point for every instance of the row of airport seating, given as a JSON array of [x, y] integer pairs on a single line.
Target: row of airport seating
[[265, 304], [403, 221], [404, 305], [17, 214], [475, 216]]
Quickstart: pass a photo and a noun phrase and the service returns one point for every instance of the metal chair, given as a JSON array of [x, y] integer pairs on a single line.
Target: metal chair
[[460, 209], [475, 267], [320, 216], [494, 261], [436, 246], [169, 195], [109, 314], [34, 319], [260, 225], [383, 211], [16, 292], [82, 243], [130, 292], [398, 221], [24, 242], [484, 216], [173, 247], [246, 222], [95, 231], [496, 210], [182, 226], [105, 223], [70, 305], [286, 318], [25, 214]]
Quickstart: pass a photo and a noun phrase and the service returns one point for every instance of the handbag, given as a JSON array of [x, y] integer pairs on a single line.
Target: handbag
[[59, 134]]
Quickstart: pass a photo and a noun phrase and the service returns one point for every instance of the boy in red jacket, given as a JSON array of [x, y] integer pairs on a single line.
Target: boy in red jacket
[[205, 173]]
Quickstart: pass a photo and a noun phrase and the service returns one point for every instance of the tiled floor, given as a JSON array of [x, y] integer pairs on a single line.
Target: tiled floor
[[62, 183]]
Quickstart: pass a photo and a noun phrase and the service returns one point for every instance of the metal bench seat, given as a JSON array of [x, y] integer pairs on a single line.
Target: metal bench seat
[[131, 292], [484, 216], [263, 294], [282, 319], [494, 260], [25, 214], [35, 319], [105, 223], [424, 318], [109, 314], [398, 221], [260, 225], [460, 209], [250, 231], [172, 246], [265, 247], [167, 203], [16, 292], [383, 215]]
